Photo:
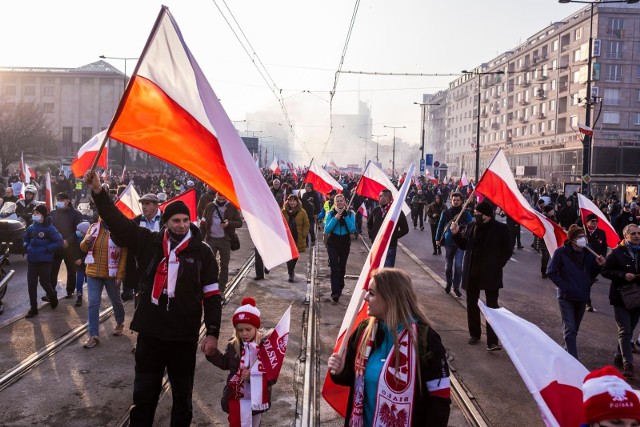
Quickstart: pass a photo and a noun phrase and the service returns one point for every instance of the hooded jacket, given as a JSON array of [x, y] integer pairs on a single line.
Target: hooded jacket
[[41, 240]]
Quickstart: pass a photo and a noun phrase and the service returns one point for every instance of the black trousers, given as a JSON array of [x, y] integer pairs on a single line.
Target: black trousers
[[153, 356], [473, 312], [338, 252], [545, 260], [42, 271], [291, 266], [434, 229], [69, 264], [258, 264], [417, 214]]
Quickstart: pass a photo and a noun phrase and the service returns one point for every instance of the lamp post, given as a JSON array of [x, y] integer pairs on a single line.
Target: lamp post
[[423, 106], [377, 147], [124, 87], [393, 156], [479, 74], [587, 140]]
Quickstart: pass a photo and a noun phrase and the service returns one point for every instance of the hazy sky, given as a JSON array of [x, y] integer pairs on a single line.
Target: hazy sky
[[299, 42]]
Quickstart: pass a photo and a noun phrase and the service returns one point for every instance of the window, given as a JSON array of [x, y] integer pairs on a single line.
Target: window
[[47, 107], [87, 133], [637, 71], [576, 77], [29, 90], [552, 125], [611, 117], [615, 27], [9, 90], [576, 55], [612, 97], [577, 34], [614, 50], [636, 119], [554, 46], [575, 99], [67, 134], [613, 73], [638, 97], [573, 121], [552, 105], [48, 90], [554, 84]]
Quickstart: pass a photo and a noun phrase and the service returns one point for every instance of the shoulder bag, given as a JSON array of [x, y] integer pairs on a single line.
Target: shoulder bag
[[630, 295]]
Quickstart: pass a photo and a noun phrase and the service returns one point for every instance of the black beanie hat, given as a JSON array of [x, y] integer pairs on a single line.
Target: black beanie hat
[[547, 209], [485, 208], [42, 209], [177, 207], [591, 216]]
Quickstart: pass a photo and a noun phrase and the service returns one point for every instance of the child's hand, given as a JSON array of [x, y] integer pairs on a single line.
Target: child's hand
[[244, 374]]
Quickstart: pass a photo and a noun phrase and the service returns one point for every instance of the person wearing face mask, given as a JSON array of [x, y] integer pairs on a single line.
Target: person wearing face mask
[[573, 269], [179, 283], [41, 240], [25, 207], [623, 268], [66, 218], [487, 246]]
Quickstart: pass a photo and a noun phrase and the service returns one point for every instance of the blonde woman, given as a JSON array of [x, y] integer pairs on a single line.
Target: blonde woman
[[341, 222], [394, 362], [298, 222]]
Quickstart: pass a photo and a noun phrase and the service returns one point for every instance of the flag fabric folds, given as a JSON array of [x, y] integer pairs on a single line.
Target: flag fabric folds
[[322, 180], [588, 207], [87, 154], [129, 202], [336, 395], [48, 192], [430, 178], [189, 199], [25, 171], [363, 210], [275, 166], [274, 347], [170, 111], [552, 375], [463, 180], [373, 181], [498, 184], [585, 130]]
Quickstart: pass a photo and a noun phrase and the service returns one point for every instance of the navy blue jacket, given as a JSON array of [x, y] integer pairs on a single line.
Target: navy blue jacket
[[573, 272], [41, 241]]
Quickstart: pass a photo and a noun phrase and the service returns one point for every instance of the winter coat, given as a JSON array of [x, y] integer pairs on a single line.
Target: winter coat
[[619, 262], [573, 272], [301, 220], [179, 318], [41, 241], [231, 214], [66, 220], [447, 216], [374, 222], [100, 268], [488, 249], [434, 210]]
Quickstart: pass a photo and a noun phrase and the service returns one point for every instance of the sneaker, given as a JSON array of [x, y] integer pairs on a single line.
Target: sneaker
[[457, 292], [473, 340], [617, 360], [258, 278], [69, 295], [292, 278], [421, 228], [335, 298], [54, 303], [119, 330], [590, 309], [447, 290], [31, 313], [79, 301], [494, 347], [627, 370], [91, 342]]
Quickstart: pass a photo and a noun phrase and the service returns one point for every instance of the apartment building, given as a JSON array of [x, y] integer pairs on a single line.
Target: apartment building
[[534, 108], [79, 102]]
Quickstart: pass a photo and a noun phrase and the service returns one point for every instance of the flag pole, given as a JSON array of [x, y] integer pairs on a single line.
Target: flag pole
[[356, 187], [466, 203]]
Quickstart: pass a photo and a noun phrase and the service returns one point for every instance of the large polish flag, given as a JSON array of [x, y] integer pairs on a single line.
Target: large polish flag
[[170, 111], [498, 184], [87, 154], [322, 180], [373, 181], [430, 178], [552, 375], [189, 199], [48, 192], [588, 207], [129, 202], [337, 396]]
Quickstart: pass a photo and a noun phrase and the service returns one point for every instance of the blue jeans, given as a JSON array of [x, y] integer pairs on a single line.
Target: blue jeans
[[80, 279], [95, 286], [390, 260], [453, 254], [572, 313], [627, 320]]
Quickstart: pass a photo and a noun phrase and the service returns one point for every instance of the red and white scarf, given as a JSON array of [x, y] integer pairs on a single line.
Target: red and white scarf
[[244, 400], [384, 209], [167, 271], [394, 401], [113, 260]]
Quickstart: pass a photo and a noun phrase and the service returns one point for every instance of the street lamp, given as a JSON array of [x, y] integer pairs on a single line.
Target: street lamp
[[587, 139], [393, 158], [124, 88], [479, 74], [377, 147], [423, 106]]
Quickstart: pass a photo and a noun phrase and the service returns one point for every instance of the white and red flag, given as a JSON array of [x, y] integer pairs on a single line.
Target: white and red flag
[[363, 210], [274, 347], [124, 172], [498, 185], [87, 154], [551, 374], [374, 180], [322, 180], [337, 396], [170, 111], [585, 130], [25, 171], [189, 199], [129, 202], [275, 166], [48, 192], [463, 180], [430, 178], [588, 207]]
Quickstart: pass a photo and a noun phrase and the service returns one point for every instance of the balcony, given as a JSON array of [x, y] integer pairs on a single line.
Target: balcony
[[541, 78], [485, 100], [495, 111], [496, 96], [525, 83], [484, 115], [495, 126], [523, 102], [541, 116], [540, 95], [523, 119]]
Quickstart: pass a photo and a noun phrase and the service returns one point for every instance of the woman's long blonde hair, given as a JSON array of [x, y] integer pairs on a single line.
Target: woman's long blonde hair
[[395, 288]]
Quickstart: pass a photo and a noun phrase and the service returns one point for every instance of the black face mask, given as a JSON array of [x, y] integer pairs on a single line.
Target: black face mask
[[479, 218], [219, 203]]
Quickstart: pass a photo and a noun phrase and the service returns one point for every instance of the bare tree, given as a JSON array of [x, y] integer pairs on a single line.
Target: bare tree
[[23, 126]]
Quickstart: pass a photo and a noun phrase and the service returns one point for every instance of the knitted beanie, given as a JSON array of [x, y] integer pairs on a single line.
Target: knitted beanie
[[247, 313], [173, 208], [606, 395]]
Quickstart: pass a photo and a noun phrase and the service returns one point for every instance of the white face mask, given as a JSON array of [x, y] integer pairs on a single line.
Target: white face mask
[[581, 242], [60, 205], [37, 218]]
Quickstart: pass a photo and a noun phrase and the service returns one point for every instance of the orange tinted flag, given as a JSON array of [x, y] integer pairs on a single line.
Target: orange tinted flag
[[189, 199], [170, 111], [87, 154]]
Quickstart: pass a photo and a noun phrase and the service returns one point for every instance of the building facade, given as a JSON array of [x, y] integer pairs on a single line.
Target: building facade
[[533, 110]]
